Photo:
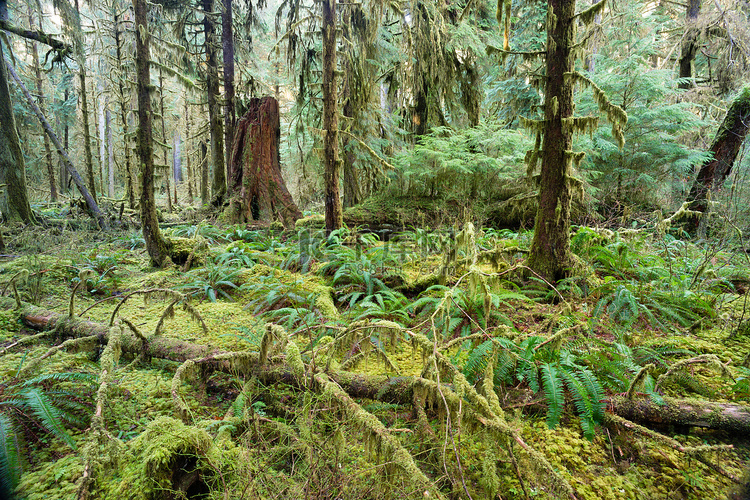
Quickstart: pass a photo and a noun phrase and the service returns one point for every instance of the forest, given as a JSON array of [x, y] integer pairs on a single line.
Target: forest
[[374, 249]]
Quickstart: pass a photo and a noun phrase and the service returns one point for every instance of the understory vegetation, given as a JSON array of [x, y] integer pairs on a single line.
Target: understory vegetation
[[294, 365]]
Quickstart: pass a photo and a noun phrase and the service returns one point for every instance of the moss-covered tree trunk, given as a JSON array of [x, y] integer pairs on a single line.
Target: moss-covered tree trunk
[[165, 147], [351, 183], [219, 184], [227, 47], [93, 208], [731, 417], [334, 212], [259, 191], [689, 43], [40, 98], [14, 203], [204, 173], [130, 186], [156, 245], [81, 59], [550, 254], [726, 146]]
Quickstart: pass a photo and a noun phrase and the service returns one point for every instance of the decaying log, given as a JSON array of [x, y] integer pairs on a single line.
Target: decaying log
[[722, 416]]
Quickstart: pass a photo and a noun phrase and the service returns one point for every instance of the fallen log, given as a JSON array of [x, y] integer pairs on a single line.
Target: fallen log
[[721, 416]]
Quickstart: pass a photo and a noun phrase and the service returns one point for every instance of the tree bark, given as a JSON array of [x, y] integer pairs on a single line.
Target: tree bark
[[88, 155], [689, 44], [726, 146], [40, 94], [110, 154], [219, 184], [15, 202], [550, 255], [260, 193], [188, 150], [90, 202], [398, 390], [165, 147], [204, 173], [129, 181], [351, 185], [227, 45], [333, 210], [156, 245]]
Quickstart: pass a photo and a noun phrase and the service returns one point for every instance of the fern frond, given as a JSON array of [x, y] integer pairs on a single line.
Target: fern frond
[[582, 401], [554, 391], [10, 457], [87, 378], [49, 416], [477, 360], [595, 391]]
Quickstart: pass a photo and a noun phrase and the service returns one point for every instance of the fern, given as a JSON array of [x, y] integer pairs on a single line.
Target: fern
[[10, 457], [582, 401], [477, 360], [554, 392], [49, 416]]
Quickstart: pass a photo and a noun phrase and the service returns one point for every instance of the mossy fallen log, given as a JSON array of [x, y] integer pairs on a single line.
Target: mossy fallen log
[[399, 390], [686, 412]]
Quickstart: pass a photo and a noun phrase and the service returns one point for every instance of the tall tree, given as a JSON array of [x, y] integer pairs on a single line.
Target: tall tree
[[14, 203], [690, 43], [67, 164], [726, 145], [333, 211], [550, 255], [227, 46], [40, 96], [80, 53], [130, 178], [156, 245], [219, 184]]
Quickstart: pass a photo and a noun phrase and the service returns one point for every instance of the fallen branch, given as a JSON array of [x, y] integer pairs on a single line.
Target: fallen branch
[[399, 390]]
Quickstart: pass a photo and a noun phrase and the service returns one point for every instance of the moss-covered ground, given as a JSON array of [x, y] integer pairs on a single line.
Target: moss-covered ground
[[550, 358]]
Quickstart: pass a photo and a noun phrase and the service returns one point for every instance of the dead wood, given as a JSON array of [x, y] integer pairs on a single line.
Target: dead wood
[[729, 417]]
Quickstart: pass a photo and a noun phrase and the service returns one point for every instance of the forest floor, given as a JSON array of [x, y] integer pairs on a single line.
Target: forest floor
[[510, 382]]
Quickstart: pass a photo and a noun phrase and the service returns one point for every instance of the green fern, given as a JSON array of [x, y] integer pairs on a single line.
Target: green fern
[[554, 391], [10, 456], [48, 415]]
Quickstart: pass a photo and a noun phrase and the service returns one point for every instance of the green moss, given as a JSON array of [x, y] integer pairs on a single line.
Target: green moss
[[154, 458], [315, 221], [55, 478]]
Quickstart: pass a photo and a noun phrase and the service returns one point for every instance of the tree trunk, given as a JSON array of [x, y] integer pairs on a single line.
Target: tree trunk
[[227, 44], [726, 146], [102, 128], [64, 175], [188, 150], [156, 245], [40, 97], [110, 154], [86, 132], [90, 202], [689, 43], [351, 184], [397, 390], [204, 174], [333, 209], [219, 185], [15, 202], [550, 255], [129, 181], [165, 147], [260, 193]]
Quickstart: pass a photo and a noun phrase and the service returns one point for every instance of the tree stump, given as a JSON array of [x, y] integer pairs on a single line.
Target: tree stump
[[259, 191]]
